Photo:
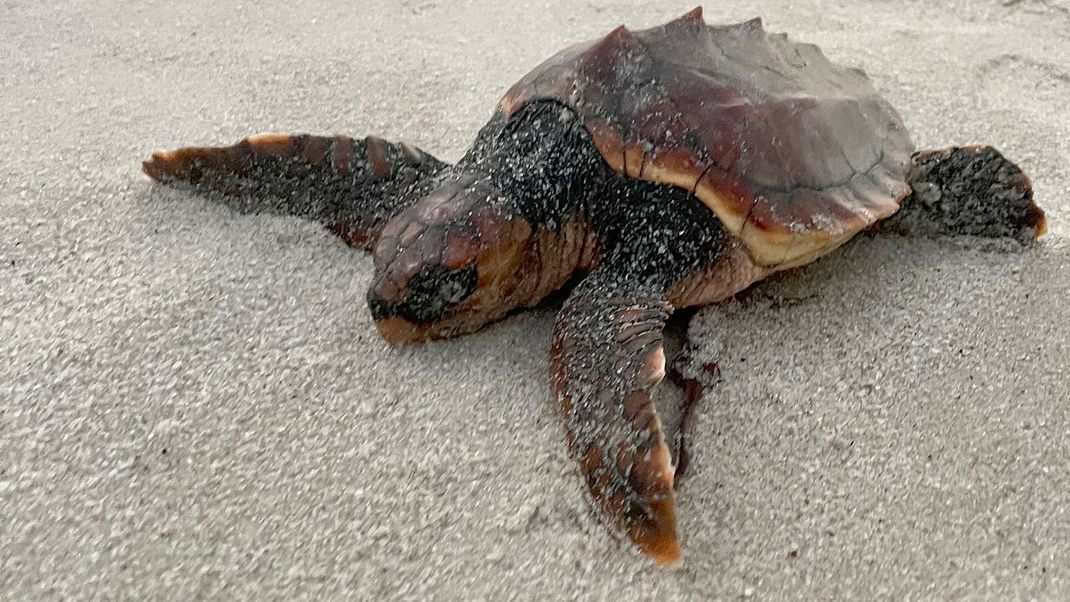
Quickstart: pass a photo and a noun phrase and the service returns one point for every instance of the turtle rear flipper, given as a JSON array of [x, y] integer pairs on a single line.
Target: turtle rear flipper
[[971, 190], [351, 186], [606, 357]]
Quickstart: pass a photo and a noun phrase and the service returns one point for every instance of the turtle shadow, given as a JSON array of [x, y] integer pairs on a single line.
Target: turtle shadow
[[877, 280]]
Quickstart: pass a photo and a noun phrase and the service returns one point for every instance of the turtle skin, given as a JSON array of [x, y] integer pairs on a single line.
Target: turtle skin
[[588, 172]]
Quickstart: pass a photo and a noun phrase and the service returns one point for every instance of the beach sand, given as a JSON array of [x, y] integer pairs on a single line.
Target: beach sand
[[195, 404]]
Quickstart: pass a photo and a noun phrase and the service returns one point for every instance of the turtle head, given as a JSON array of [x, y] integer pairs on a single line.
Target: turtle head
[[449, 264]]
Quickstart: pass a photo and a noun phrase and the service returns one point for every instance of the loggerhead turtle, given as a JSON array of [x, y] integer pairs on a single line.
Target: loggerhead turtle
[[667, 168]]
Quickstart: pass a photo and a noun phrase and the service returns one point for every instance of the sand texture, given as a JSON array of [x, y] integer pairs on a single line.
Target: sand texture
[[195, 404]]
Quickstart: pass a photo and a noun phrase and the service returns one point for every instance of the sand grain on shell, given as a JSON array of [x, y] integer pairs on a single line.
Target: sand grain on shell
[[194, 403]]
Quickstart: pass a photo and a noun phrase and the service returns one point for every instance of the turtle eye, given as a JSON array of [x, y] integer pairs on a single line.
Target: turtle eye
[[428, 294], [436, 288]]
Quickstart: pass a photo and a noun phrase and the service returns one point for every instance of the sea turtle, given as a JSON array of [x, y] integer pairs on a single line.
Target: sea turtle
[[665, 168]]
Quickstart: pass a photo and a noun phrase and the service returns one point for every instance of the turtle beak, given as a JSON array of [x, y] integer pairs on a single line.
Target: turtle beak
[[1042, 226], [397, 331]]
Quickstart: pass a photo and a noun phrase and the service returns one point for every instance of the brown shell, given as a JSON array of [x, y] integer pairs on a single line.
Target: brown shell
[[793, 153]]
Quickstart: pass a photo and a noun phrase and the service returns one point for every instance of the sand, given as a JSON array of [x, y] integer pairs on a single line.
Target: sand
[[195, 404]]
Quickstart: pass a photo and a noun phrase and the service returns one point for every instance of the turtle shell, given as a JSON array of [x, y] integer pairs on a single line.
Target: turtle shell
[[794, 153]]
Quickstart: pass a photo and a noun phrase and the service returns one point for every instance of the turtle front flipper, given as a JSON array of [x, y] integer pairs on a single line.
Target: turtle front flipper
[[351, 186], [971, 190], [606, 357]]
